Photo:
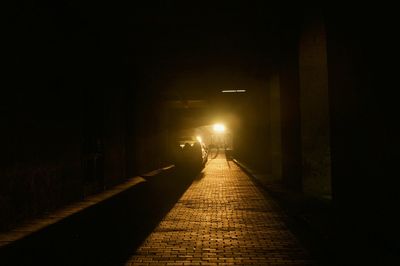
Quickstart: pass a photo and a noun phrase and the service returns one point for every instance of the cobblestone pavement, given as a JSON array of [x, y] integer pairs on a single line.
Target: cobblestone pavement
[[222, 219]]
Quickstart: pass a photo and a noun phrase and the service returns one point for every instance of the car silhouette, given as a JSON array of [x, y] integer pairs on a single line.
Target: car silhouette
[[190, 153]]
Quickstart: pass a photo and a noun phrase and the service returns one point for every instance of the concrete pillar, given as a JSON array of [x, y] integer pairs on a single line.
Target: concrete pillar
[[362, 97], [262, 133], [275, 128], [314, 106], [290, 108]]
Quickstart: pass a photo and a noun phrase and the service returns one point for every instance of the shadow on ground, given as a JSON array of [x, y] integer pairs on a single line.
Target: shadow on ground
[[104, 234]]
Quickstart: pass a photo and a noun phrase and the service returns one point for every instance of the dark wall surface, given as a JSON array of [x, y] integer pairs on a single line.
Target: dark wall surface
[[66, 107], [363, 142]]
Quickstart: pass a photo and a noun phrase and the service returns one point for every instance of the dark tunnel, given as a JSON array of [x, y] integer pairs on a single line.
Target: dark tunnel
[[96, 93]]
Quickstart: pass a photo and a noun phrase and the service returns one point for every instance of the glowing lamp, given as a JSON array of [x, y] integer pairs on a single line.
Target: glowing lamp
[[219, 128]]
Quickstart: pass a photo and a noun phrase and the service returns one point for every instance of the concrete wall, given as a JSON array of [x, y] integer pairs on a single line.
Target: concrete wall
[[68, 100], [40, 165], [115, 134], [50, 141]]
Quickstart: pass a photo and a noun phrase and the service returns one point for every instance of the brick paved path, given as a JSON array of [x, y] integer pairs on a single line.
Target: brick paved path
[[222, 219]]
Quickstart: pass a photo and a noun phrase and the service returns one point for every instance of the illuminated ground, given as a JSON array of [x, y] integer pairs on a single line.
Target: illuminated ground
[[222, 219]]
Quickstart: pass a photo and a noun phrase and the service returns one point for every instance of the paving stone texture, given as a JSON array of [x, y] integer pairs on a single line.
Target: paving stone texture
[[222, 219]]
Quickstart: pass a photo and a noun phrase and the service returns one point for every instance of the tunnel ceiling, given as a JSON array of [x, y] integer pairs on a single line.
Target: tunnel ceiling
[[164, 51], [191, 52], [214, 44], [194, 51]]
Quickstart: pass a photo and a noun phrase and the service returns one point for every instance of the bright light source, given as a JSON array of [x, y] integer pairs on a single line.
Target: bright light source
[[232, 91], [219, 128], [199, 139]]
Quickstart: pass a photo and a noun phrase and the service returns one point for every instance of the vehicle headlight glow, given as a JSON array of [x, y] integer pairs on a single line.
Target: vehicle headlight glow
[[219, 128]]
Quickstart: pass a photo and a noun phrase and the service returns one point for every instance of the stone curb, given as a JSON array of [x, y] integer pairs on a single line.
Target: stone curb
[[32, 226]]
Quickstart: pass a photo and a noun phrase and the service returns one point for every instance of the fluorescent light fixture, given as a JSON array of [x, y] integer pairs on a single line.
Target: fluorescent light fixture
[[233, 91]]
